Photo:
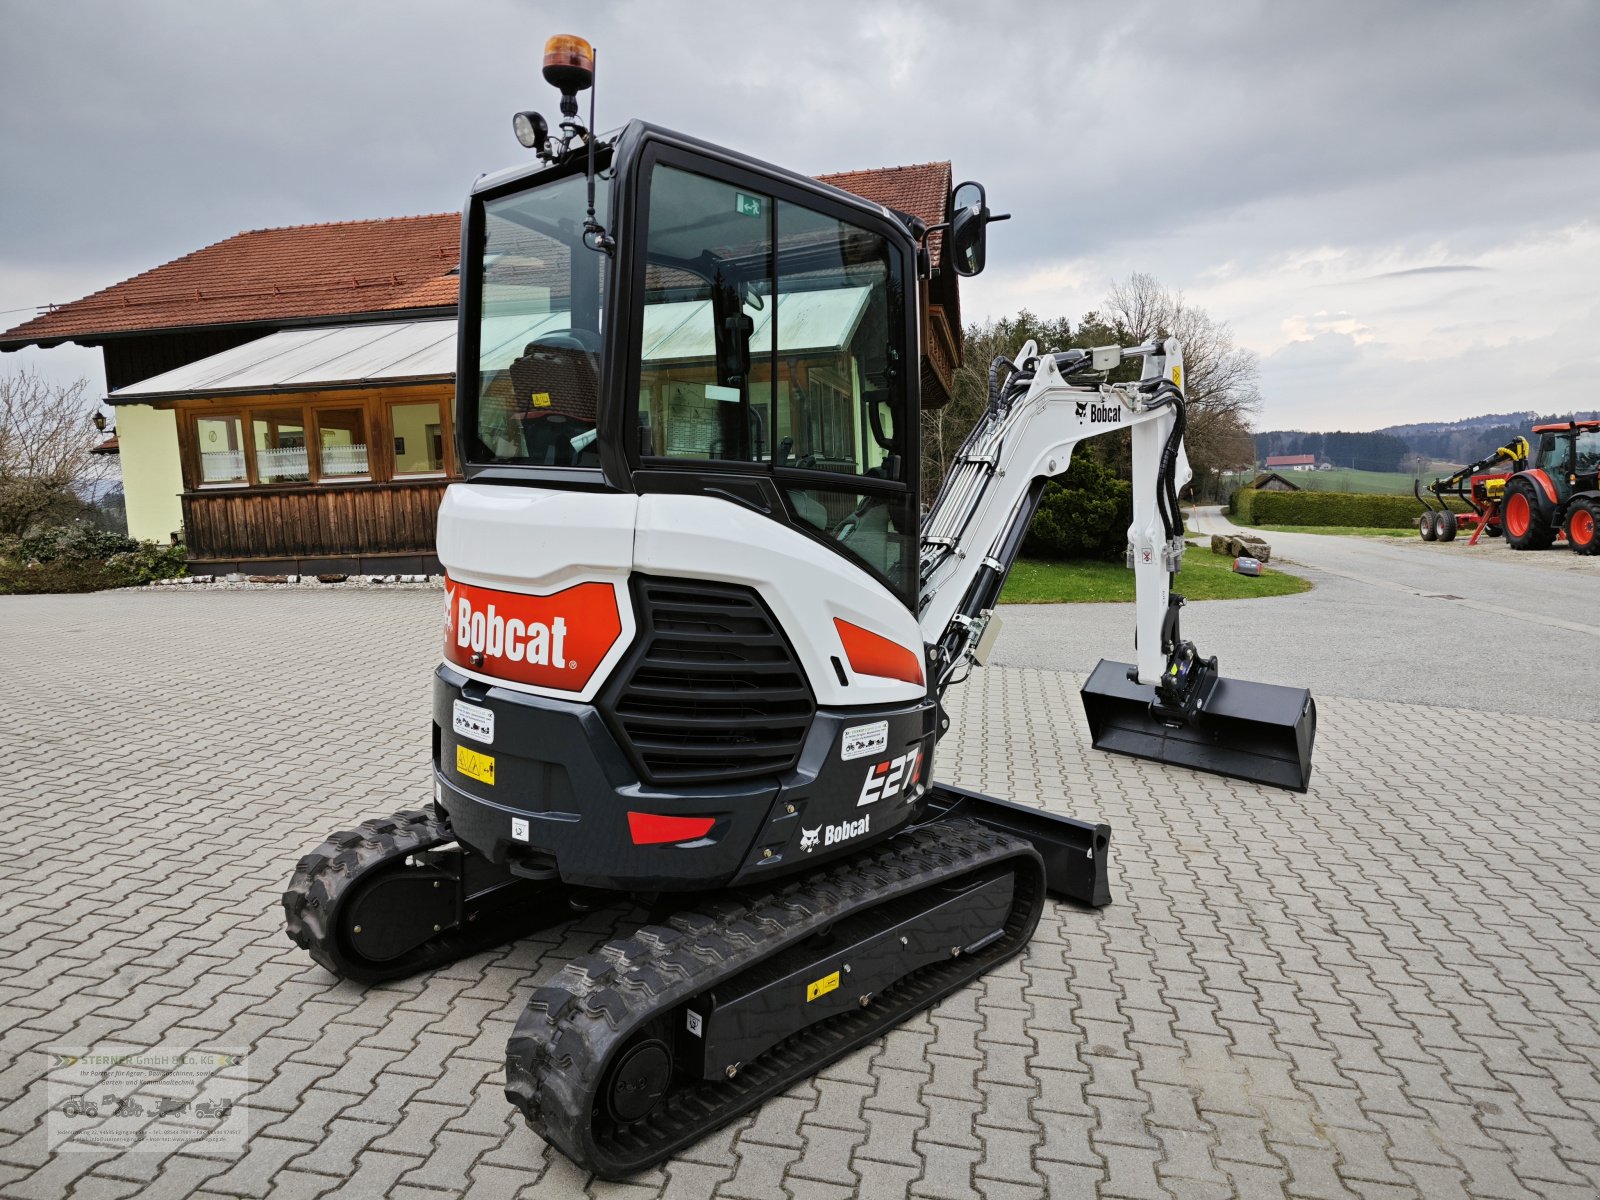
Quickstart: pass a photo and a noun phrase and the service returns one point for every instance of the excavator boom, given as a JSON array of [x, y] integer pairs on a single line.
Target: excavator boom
[[1170, 705]]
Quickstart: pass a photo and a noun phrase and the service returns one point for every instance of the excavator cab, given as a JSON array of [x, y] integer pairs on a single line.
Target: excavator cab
[[740, 331]]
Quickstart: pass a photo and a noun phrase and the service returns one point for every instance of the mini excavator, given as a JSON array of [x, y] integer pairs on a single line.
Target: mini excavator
[[698, 629]]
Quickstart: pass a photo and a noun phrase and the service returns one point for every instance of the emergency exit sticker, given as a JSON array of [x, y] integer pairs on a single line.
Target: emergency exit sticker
[[747, 205]]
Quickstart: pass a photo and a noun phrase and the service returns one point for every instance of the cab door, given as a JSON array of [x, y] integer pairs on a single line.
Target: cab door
[[772, 350]]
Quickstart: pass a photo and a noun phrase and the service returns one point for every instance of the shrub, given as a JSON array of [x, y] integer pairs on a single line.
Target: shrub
[[79, 542], [23, 579], [149, 561], [1084, 514], [83, 558], [1252, 507]]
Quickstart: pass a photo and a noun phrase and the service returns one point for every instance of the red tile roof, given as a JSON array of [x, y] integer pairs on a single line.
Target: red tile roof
[[350, 267], [920, 189], [331, 270], [1292, 460]]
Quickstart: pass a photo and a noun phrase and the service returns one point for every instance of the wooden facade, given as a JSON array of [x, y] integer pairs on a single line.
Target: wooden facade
[[388, 527], [318, 481]]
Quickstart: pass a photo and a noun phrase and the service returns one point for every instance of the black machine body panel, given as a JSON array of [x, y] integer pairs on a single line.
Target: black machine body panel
[[563, 789]]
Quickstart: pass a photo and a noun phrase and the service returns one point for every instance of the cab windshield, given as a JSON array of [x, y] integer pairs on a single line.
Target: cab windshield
[[541, 302], [1588, 452]]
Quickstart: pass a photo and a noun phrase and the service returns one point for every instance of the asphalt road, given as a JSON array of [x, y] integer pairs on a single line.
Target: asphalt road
[[1386, 620]]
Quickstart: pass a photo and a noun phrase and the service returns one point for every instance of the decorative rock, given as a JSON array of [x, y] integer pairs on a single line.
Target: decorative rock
[[269, 579], [332, 578], [1219, 543]]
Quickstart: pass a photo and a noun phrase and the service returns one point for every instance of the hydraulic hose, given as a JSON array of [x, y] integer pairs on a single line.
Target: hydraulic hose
[[1166, 483]]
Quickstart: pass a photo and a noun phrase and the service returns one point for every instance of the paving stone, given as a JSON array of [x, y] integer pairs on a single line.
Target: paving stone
[[1341, 993]]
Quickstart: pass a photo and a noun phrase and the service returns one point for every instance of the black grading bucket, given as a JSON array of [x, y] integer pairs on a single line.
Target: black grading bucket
[[1255, 731]]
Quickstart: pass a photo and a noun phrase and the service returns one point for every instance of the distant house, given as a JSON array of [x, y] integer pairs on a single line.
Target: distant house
[[1271, 481], [1291, 462], [284, 397], [1326, 466]]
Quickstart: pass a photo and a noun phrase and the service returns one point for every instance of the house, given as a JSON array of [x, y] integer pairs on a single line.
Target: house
[[1291, 462], [283, 398], [1271, 481]]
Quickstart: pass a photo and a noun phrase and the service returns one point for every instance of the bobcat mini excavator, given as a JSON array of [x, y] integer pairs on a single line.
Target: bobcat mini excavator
[[698, 629]]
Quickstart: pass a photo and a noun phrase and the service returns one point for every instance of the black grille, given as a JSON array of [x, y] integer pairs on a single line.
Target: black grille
[[712, 690]]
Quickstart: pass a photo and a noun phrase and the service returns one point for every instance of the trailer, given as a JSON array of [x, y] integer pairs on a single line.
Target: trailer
[[1480, 486]]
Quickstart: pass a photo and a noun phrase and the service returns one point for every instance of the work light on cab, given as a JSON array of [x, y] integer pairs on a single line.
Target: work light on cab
[[532, 130]]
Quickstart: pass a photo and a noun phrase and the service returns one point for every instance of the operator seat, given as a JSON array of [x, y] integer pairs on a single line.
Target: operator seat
[[555, 385]]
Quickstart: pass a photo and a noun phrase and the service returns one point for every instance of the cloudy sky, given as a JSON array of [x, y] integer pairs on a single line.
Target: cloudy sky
[[1397, 206]]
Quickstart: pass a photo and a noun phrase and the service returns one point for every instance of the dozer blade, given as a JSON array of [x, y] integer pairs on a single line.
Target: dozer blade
[[1255, 731]]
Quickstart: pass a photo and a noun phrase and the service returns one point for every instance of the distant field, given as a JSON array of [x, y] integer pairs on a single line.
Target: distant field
[[1344, 479]]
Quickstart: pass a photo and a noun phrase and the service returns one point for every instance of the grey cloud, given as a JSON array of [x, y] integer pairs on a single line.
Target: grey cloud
[[1165, 137], [1440, 270]]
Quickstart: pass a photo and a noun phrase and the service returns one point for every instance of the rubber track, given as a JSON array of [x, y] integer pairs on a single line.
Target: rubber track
[[558, 1055], [325, 878]]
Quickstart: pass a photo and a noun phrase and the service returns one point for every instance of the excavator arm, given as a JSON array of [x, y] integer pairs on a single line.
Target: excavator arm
[[1170, 704], [1036, 417]]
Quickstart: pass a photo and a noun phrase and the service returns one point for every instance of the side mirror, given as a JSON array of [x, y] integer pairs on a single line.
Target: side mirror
[[966, 240]]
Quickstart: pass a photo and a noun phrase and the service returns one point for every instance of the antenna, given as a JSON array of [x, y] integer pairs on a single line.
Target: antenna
[[591, 227]]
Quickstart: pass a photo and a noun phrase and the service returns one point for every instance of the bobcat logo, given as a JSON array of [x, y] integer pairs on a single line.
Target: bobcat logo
[[1083, 409], [809, 838]]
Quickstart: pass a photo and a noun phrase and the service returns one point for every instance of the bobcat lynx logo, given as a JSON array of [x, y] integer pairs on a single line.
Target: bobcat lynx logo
[[1083, 409], [832, 835]]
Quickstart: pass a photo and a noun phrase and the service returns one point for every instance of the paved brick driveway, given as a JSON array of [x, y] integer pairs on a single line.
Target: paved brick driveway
[[1384, 988]]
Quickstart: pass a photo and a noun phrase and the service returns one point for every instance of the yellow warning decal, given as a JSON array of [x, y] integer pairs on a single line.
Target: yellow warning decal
[[822, 986], [540, 399], [1177, 376], [474, 765]]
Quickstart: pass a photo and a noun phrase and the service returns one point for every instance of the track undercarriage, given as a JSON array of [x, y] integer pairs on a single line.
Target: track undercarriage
[[640, 1048]]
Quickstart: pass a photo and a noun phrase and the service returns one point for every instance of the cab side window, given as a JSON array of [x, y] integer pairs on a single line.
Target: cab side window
[[774, 336]]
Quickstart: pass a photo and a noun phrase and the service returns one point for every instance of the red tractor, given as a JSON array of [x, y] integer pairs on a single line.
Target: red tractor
[[1559, 493]]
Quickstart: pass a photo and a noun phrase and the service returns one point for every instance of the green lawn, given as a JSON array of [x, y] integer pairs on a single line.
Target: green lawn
[[1205, 576], [1345, 530], [1345, 479]]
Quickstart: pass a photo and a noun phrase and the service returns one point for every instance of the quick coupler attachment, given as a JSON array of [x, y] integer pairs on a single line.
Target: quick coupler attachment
[[1256, 731]]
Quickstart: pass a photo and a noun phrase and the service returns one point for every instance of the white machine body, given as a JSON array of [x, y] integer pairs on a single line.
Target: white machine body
[[541, 541]]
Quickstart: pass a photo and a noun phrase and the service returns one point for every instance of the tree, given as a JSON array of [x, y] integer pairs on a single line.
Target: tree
[[45, 444], [944, 429], [1219, 377], [1219, 384]]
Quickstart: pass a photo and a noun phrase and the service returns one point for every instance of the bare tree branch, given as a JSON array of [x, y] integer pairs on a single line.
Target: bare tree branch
[[45, 444], [1219, 376]]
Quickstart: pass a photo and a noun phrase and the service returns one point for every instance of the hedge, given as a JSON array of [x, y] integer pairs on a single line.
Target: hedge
[[1253, 507]]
